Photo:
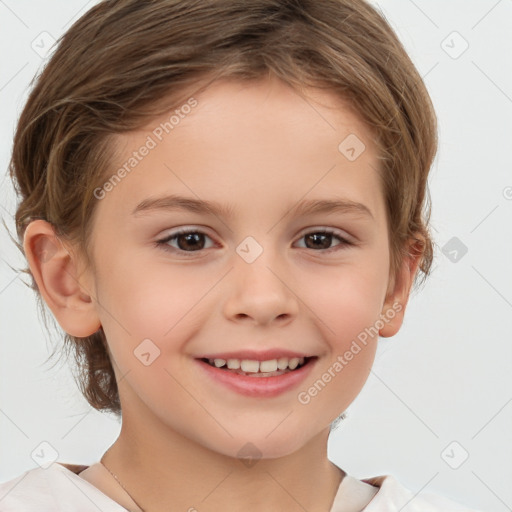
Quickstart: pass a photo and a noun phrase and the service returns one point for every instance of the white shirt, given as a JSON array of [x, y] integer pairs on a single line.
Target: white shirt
[[60, 488]]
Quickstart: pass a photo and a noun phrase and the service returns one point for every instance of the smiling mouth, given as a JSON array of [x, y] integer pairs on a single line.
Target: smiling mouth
[[253, 368]]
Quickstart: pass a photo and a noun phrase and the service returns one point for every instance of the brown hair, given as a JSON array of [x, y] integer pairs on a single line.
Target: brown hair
[[112, 64]]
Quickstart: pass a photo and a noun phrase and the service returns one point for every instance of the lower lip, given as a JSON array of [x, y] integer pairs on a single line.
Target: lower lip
[[259, 386]]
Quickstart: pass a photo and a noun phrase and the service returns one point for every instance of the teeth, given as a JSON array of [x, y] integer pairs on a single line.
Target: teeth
[[233, 364], [294, 362], [268, 366], [282, 363], [252, 366], [249, 366]]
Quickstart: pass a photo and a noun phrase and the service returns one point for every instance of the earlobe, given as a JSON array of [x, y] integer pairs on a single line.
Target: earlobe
[[55, 272], [396, 300]]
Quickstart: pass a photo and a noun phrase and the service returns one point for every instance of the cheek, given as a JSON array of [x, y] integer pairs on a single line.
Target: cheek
[[150, 298], [349, 299], [353, 313], [348, 302]]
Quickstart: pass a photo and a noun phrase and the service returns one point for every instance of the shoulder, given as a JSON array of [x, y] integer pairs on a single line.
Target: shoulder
[[57, 487], [26, 492], [392, 495]]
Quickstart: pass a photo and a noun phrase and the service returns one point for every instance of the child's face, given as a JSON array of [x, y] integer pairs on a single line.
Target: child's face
[[261, 150]]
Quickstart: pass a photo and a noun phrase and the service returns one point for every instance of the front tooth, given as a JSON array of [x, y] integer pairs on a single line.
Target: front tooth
[[282, 363], [294, 362], [219, 362], [233, 364], [250, 366], [268, 366]]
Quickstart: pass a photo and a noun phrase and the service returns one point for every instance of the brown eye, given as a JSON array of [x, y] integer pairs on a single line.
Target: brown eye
[[318, 240], [322, 240], [185, 240], [190, 241]]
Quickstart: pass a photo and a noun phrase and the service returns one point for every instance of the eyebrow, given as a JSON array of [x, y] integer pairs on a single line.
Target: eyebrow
[[306, 207]]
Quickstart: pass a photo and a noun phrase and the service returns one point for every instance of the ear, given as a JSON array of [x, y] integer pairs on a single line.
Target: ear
[[55, 272], [398, 292]]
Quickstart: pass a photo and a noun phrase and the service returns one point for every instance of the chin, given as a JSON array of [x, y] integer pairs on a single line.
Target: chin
[[249, 449]]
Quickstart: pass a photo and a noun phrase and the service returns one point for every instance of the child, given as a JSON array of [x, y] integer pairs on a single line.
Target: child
[[256, 129]]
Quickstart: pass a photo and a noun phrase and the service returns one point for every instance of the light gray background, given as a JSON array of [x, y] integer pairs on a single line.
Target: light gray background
[[446, 377]]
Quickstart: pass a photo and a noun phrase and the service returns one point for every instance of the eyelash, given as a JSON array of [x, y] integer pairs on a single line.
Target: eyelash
[[163, 243]]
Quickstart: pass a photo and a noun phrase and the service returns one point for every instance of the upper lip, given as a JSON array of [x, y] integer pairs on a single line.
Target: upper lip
[[256, 355]]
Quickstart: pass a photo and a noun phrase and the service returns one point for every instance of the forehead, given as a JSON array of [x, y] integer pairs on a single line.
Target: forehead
[[231, 110], [250, 144]]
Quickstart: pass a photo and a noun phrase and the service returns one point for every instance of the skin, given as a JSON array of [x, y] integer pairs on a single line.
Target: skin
[[261, 147]]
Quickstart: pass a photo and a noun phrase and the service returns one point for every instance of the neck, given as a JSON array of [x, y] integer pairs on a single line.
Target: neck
[[168, 468]]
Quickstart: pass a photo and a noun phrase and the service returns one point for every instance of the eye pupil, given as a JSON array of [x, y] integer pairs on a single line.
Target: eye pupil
[[316, 237], [195, 241], [190, 237]]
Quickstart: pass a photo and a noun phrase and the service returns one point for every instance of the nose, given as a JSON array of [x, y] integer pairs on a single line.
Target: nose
[[260, 292]]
